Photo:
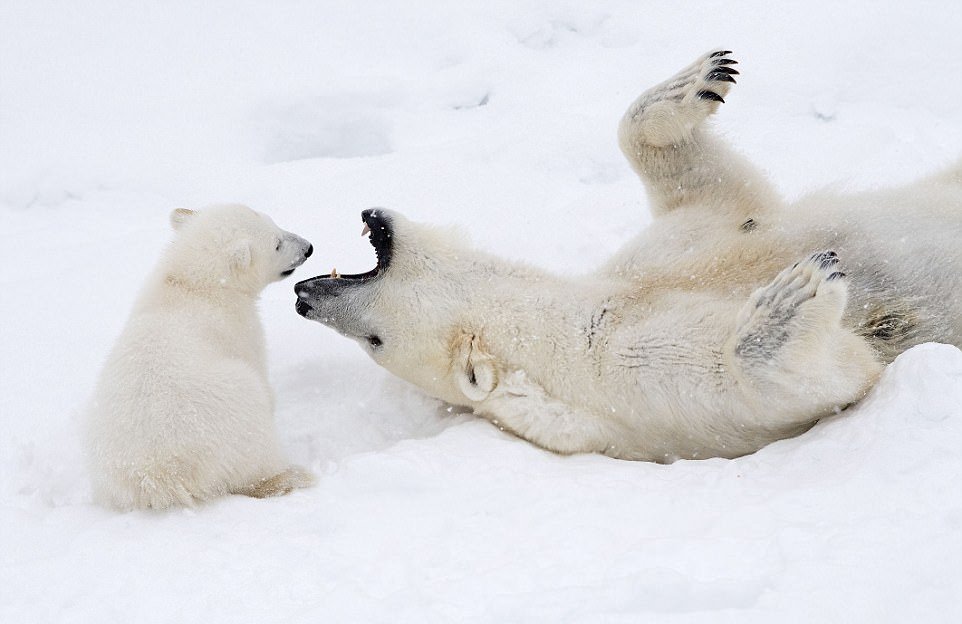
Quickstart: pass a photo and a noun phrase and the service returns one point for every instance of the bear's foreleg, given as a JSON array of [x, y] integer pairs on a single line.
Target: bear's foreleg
[[522, 407], [790, 354]]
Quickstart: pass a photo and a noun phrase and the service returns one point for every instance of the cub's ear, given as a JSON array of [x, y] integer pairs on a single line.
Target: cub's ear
[[180, 216], [474, 371], [240, 255]]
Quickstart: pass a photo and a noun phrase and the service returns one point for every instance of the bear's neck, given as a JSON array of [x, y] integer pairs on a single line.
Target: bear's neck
[[198, 270], [171, 288], [542, 328]]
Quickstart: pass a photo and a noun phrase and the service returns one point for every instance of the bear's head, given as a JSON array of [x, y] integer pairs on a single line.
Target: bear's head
[[231, 247], [431, 308]]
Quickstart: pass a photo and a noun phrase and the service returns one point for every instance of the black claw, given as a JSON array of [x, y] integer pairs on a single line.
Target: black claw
[[749, 226], [719, 77], [726, 70], [827, 262], [710, 95], [837, 275], [725, 62], [720, 53]]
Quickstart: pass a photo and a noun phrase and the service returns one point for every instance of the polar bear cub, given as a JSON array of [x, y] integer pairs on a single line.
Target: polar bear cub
[[183, 410]]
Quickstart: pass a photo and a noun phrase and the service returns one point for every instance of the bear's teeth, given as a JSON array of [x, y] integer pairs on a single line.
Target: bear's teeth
[[334, 273], [366, 230]]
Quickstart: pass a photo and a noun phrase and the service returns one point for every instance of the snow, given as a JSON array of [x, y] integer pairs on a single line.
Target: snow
[[498, 117]]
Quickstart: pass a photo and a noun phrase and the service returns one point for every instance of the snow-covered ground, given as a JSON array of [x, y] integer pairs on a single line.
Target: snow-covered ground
[[500, 117]]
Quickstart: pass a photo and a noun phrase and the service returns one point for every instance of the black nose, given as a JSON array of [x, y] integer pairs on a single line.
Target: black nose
[[310, 250], [302, 307]]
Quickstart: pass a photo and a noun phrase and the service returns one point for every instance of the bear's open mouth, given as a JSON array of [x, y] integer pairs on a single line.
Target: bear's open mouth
[[377, 226], [310, 292]]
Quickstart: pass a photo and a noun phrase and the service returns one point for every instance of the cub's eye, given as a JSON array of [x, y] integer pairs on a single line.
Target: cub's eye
[[278, 246], [374, 341]]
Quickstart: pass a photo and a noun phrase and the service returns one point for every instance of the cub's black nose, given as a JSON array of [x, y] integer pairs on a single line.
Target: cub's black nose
[[310, 250]]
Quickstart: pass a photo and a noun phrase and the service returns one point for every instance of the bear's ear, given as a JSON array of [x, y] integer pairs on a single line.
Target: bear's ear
[[240, 255], [180, 216], [474, 370]]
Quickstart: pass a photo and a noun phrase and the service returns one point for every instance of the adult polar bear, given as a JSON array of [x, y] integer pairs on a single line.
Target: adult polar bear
[[725, 325]]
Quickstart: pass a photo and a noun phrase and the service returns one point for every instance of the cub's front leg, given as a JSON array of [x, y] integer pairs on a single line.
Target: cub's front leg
[[790, 354]]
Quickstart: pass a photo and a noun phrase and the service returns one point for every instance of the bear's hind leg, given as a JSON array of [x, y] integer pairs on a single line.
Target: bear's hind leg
[[791, 354], [681, 163], [666, 114], [280, 484]]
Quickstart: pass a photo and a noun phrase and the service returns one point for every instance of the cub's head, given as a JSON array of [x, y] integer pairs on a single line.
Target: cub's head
[[232, 246], [420, 311]]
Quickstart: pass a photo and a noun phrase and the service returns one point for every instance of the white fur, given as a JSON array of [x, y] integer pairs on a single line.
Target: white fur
[[719, 329], [183, 410]]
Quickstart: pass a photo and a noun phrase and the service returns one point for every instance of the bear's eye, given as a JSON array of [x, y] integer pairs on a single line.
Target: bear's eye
[[374, 341], [278, 246]]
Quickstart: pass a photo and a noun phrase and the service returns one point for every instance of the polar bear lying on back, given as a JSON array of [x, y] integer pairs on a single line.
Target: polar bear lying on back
[[183, 410], [728, 323]]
